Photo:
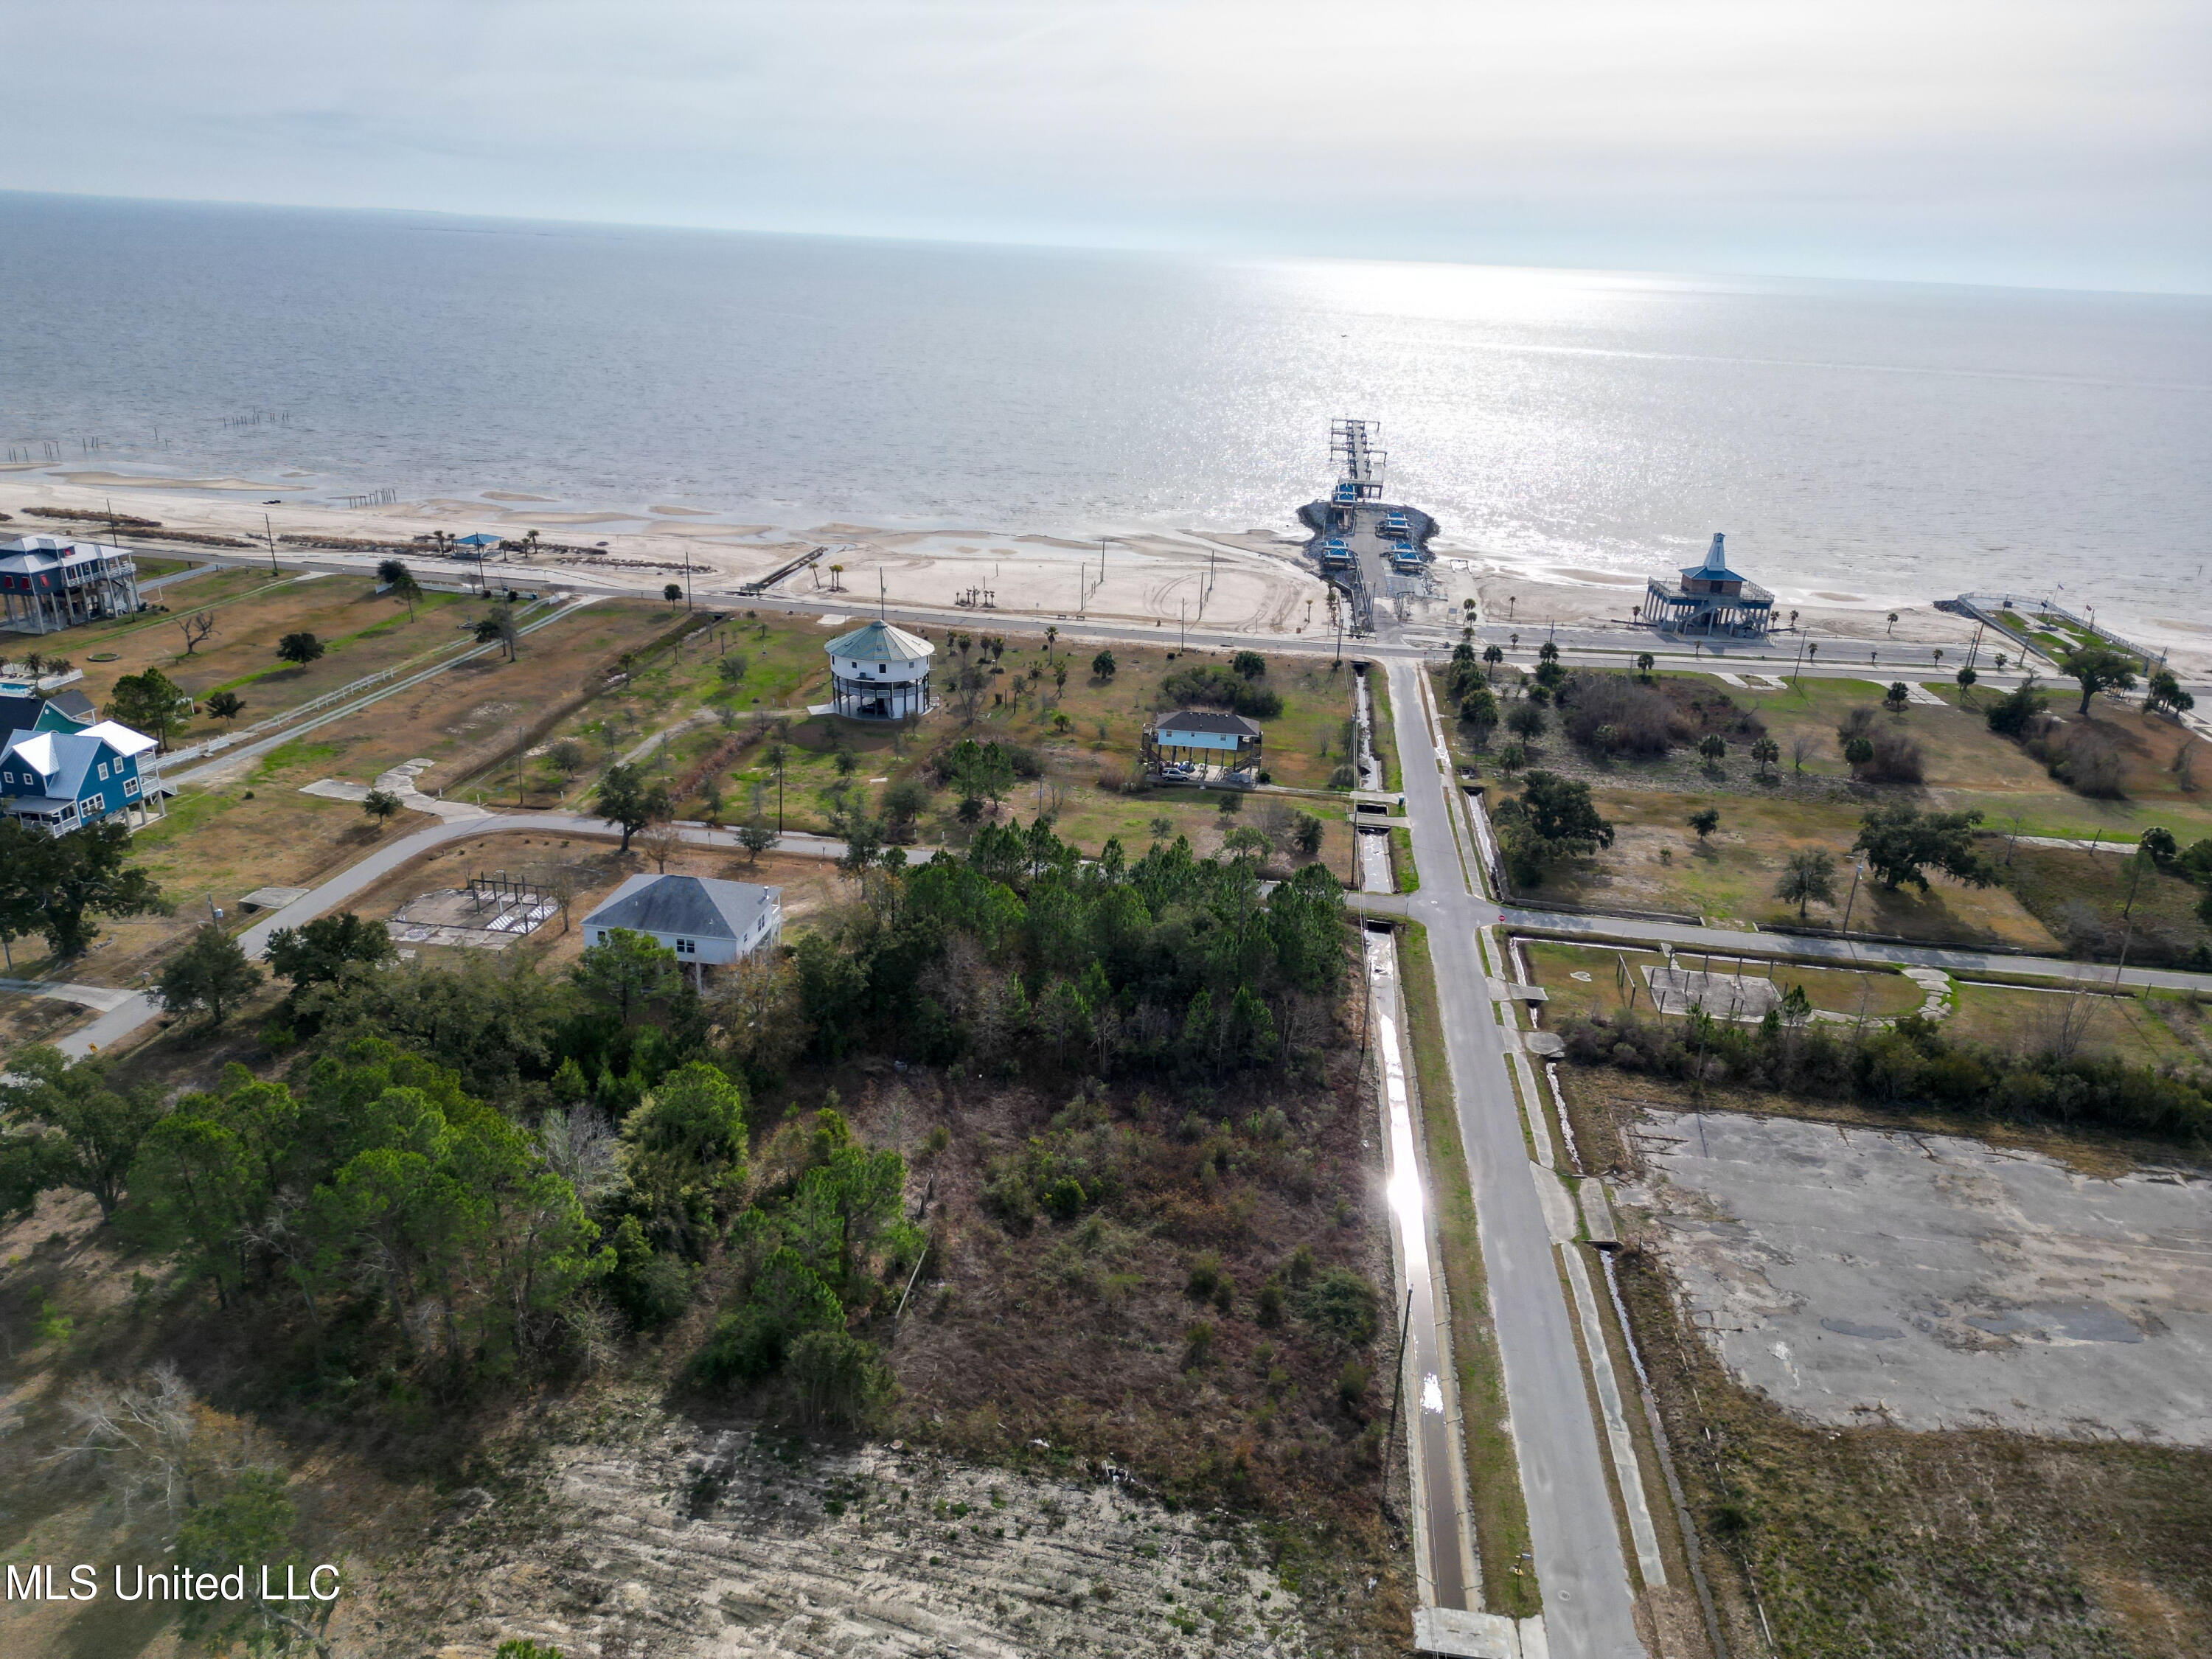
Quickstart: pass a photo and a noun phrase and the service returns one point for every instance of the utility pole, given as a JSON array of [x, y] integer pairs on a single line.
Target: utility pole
[[269, 534], [882, 600], [687, 579], [1181, 621], [1857, 870], [1397, 1394], [2128, 917]]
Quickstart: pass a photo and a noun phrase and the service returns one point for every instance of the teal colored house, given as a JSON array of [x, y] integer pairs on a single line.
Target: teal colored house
[[57, 774]]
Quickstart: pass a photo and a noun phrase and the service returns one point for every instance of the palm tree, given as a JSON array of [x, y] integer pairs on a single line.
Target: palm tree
[[775, 755]]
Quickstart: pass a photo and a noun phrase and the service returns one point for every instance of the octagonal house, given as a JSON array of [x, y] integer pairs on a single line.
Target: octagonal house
[[1710, 599], [880, 672]]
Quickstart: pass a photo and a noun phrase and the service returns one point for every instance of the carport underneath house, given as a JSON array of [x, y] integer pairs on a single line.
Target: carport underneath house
[[1201, 738]]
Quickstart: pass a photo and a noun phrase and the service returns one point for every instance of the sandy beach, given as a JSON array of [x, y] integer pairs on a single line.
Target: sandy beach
[[1252, 581]]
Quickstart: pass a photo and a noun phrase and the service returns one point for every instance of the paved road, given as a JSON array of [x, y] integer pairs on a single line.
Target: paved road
[[1724, 941], [1721, 941], [139, 1008], [1588, 1603]]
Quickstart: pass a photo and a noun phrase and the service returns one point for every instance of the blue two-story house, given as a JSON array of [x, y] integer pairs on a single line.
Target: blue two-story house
[[57, 774]]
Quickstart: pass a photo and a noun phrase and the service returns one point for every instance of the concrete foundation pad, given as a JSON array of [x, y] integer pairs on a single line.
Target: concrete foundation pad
[[1724, 996], [1466, 1635], [1936, 1282]]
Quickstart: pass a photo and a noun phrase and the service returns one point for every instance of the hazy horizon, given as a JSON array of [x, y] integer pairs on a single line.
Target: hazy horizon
[[1040, 246], [2032, 144]]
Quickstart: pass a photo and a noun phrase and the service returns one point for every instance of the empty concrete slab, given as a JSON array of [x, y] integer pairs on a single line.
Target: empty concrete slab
[[1934, 1281]]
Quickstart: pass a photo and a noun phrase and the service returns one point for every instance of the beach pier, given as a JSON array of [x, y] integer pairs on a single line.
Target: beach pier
[[1366, 548]]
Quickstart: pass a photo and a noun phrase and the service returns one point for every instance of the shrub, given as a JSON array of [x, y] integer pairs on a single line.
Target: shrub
[[2009, 715], [650, 1286], [1351, 1385], [841, 1382], [1525, 720], [1896, 758], [1267, 1306], [1211, 685], [1206, 1277], [2085, 756], [1197, 1344], [1341, 1302], [1638, 715]]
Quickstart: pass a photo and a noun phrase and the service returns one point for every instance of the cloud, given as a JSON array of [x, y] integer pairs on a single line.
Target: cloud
[[2039, 141]]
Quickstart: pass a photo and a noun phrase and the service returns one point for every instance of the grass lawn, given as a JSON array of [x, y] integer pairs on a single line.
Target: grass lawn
[[361, 635], [1493, 1475], [1887, 992], [2083, 899], [2152, 1030], [1657, 862], [1386, 731]]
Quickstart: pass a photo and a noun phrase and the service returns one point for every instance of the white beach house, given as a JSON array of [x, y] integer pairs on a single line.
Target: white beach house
[[707, 923], [880, 672]]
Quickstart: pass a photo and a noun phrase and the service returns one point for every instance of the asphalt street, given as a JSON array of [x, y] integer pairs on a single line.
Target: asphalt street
[[140, 1006], [1580, 1566]]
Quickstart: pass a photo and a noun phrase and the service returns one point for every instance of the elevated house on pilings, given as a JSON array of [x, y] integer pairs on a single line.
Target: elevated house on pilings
[[1202, 744], [706, 923], [48, 583], [880, 672], [1709, 601]]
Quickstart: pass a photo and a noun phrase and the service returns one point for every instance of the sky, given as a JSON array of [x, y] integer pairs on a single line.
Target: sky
[[2039, 142]]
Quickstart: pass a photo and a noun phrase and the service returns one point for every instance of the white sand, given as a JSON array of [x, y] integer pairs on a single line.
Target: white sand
[[1252, 582]]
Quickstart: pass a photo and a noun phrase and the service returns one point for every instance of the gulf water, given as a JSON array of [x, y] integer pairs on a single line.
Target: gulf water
[[1867, 439]]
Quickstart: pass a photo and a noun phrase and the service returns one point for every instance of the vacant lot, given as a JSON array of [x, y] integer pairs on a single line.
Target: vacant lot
[[1846, 1533], [1658, 862], [2151, 1028], [591, 868], [685, 1538], [1590, 979], [2098, 903], [1928, 1282], [361, 632]]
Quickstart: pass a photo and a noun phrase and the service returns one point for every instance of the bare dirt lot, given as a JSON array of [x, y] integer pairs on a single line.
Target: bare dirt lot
[[734, 1540]]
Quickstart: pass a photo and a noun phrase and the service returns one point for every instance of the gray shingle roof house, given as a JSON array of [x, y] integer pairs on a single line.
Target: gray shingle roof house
[[701, 920]]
